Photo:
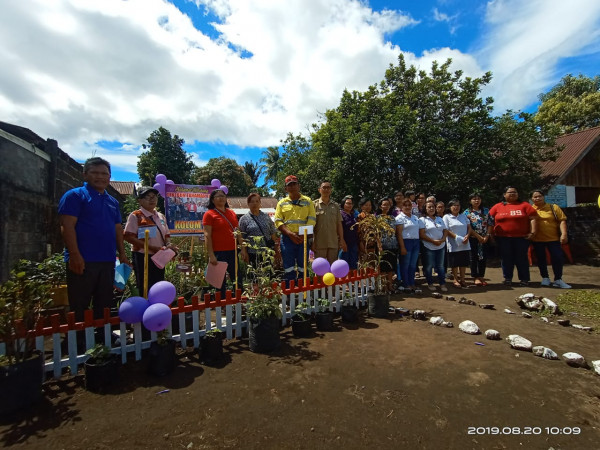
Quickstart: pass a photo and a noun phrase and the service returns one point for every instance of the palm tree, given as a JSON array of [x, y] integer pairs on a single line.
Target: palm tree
[[253, 170], [271, 162]]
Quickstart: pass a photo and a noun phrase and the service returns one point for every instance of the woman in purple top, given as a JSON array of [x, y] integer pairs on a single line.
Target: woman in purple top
[[350, 234]]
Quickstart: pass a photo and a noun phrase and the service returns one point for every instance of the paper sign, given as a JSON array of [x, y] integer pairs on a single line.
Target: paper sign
[[151, 234], [309, 230], [215, 274], [162, 257]]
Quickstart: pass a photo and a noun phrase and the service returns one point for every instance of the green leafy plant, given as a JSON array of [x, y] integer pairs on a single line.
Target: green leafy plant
[[301, 311], [22, 300], [162, 337], [213, 333], [263, 287], [98, 354], [323, 304]]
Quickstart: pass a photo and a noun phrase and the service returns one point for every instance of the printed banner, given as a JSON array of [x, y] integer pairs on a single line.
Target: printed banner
[[185, 205]]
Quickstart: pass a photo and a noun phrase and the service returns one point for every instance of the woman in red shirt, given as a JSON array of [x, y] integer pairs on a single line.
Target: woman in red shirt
[[219, 224], [514, 225]]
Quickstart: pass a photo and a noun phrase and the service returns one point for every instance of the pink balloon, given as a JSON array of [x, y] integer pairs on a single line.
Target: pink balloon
[[162, 292], [320, 266], [340, 268], [157, 317], [225, 189], [160, 178], [215, 183]]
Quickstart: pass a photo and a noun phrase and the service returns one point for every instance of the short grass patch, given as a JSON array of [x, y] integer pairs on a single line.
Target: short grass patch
[[581, 306]]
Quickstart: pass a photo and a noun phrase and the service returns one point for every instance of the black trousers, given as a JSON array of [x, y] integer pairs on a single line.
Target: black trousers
[[154, 273], [93, 289]]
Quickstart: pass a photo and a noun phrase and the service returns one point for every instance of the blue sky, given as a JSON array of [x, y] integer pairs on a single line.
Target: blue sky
[[232, 77]]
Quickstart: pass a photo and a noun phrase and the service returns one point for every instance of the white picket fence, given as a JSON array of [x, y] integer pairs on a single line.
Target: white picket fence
[[227, 318]]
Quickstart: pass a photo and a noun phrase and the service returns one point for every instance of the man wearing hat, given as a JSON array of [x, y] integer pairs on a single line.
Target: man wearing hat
[[90, 222], [292, 212], [140, 220]]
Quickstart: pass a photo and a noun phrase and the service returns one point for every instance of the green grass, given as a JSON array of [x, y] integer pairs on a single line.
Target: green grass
[[581, 307]]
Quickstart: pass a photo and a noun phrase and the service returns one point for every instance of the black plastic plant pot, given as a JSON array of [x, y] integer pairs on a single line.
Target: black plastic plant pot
[[379, 305], [101, 374], [211, 349], [324, 320], [349, 314], [21, 384], [301, 327], [161, 358], [264, 335]]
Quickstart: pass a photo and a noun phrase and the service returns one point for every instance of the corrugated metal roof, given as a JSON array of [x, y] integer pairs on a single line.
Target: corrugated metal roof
[[576, 146], [241, 203], [123, 187]]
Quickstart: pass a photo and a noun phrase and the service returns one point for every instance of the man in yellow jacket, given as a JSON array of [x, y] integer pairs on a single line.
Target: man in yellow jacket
[[292, 212]]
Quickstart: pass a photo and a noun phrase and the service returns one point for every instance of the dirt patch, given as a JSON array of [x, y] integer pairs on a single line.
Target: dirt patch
[[389, 383]]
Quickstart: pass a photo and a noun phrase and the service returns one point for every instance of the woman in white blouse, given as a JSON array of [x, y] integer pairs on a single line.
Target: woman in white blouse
[[408, 238], [459, 230], [433, 235]]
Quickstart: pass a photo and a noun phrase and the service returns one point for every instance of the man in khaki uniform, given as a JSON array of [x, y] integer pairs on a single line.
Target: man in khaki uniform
[[329, 234]]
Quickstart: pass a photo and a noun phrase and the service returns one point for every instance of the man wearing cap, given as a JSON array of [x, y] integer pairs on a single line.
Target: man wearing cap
[[292, 212], [329, 234], [140, 220], [91, 227]]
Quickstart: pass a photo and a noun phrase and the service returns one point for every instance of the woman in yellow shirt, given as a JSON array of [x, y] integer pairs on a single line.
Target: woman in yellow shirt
[[551, 233]]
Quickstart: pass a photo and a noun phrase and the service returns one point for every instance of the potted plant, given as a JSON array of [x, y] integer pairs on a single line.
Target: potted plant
[[301, 326], [262, 307], [211, 346], [162, 358], [55, 271], [349, 311], [324, 317], [22, 300], [373, 229], [101, 368]]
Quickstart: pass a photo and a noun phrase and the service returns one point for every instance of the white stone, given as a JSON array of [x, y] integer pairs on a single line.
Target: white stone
[[493, 335], [526, 315], [553, 307], [544, 352], [574, 359], [436, 320], [596, 366], [581, 327], [544, 319], [527, 296], [508, 311], [469, 327], [519, 342]]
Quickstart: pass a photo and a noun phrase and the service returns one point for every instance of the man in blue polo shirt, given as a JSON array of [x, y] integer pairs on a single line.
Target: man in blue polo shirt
[[91, 228]]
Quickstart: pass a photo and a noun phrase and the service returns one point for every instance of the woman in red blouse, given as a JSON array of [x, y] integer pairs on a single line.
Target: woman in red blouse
[[514, 225]]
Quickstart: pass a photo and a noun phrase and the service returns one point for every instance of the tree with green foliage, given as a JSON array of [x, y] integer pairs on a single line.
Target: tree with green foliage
[[271, 163], [254, 171], [572, 105], [427, 131], [229, 172], [164, 155]]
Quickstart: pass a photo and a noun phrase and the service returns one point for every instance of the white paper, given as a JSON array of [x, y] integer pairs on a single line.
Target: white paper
[[309, 230]]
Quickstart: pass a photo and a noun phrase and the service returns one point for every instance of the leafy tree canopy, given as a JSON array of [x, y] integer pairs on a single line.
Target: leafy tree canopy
[[416, 130], [229, 172], [164, 155], [572, 105]]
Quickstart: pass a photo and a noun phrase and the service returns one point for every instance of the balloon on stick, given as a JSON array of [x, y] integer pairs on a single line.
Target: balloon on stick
[[224, 188], [170, 182], [320, 266], [329, 278], [340, 268], [162, 292], [132, 309], [215, 183], [157, 317], [160, 178]]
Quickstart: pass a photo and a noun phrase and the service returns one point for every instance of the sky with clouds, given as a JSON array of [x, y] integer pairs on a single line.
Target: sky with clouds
[[232, 77]]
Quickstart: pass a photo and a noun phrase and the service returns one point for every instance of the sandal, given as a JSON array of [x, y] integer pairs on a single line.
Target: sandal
[[478, 282], [457, 285], [463, 284], [483, 283]]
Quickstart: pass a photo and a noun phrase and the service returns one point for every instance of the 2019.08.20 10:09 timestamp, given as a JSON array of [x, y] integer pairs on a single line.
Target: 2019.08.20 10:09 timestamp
[[525, 430]]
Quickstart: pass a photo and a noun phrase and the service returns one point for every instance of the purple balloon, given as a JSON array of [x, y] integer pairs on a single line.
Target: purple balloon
[[340, 268], [320, 266], [132, 309], [162, 292], [215, 183], [170, 182], [157, 317], [224, 188], [161, 179]]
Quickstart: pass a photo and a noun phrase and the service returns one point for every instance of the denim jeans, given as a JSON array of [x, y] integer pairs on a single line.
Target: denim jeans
[[292, 256], [556, 256], [351, 256], [408, 262], [228, 256], [513, 252], [434, 259], [477, 265]]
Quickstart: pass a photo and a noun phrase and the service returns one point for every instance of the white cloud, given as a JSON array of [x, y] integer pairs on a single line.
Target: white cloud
[[443, 17], [526, 41]]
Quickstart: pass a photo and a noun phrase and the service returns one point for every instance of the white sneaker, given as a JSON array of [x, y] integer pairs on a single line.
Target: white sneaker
[[561, 284], [443, 288], [545, 282], [431, 287]]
